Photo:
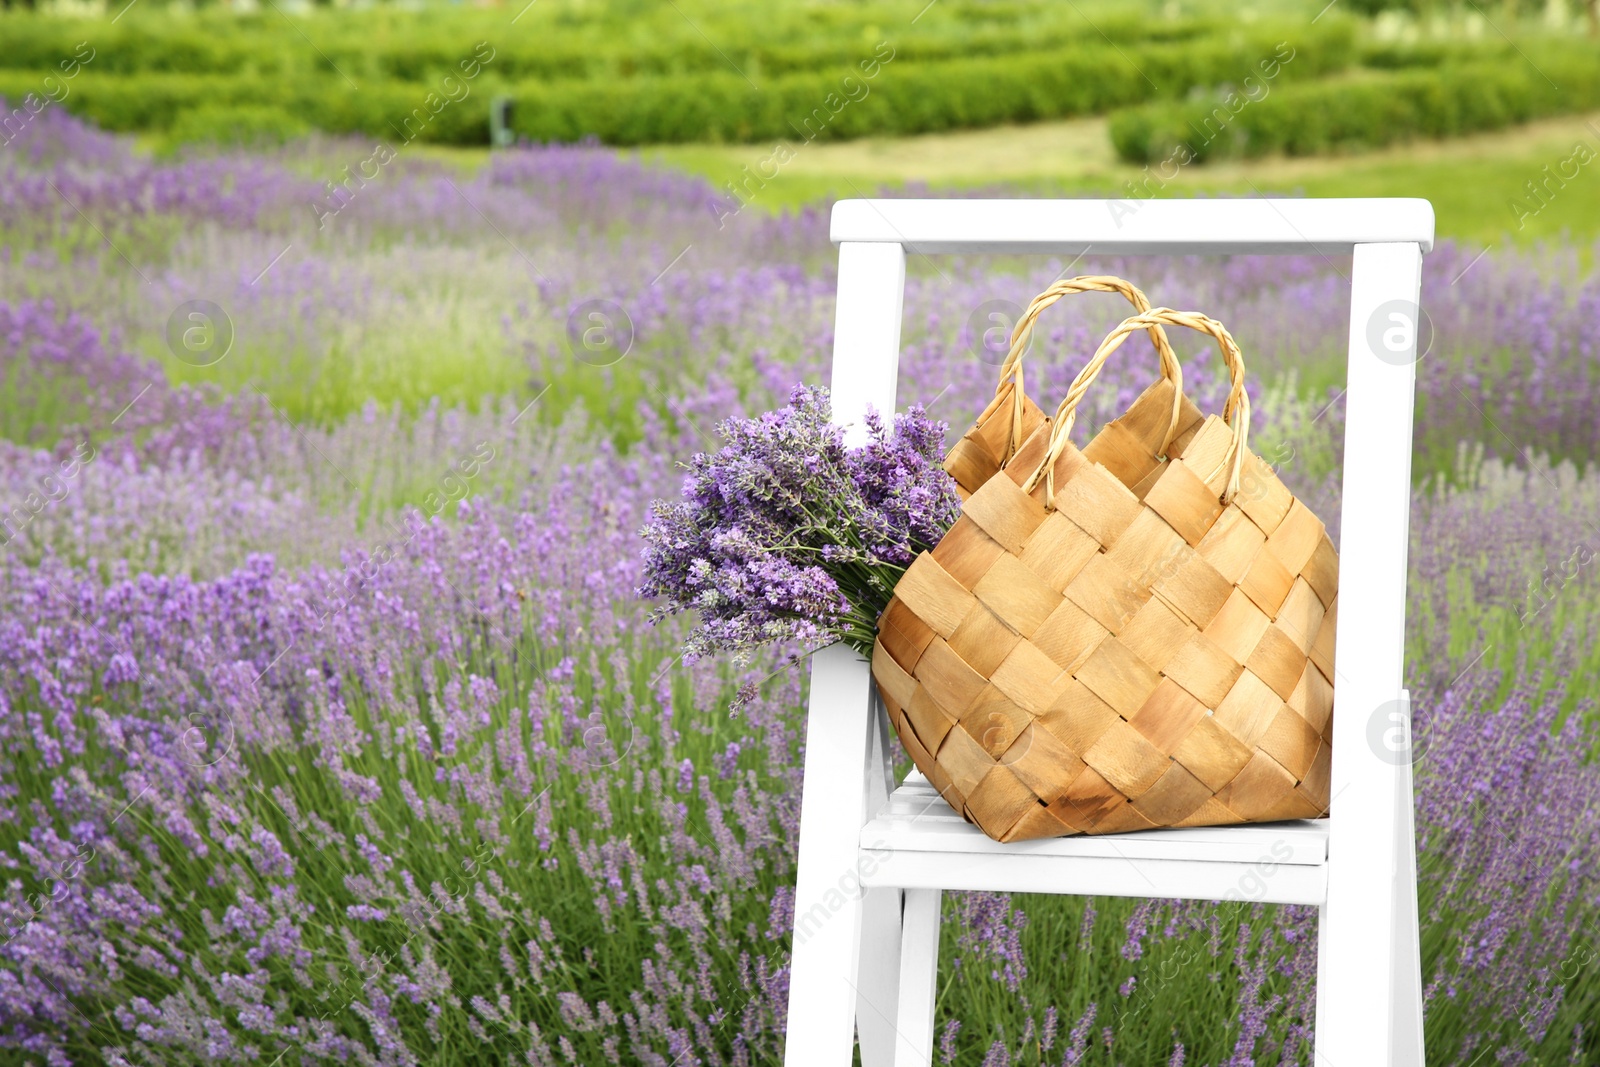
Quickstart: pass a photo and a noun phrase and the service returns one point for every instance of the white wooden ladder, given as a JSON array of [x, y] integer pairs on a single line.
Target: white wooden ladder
[[875, 857]]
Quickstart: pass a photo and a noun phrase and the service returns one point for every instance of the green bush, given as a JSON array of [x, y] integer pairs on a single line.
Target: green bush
[[1363, 111], [247, 125], [552, 44], [905, 97], [203, 105], [1399, 55], [651, 78]]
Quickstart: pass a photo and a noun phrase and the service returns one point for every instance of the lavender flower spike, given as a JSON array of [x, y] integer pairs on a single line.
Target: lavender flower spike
[[787, 535]]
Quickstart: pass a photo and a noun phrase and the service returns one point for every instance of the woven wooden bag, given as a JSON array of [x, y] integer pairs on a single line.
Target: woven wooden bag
[[1011, 416], [1119, 638]]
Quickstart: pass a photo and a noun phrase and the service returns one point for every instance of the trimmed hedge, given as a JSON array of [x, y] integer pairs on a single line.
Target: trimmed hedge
[[181, 104], [384, 44], [1398, 55], [905, 96], [1364, 111]]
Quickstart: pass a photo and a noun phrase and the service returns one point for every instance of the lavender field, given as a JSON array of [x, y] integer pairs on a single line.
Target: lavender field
[[332, 729]]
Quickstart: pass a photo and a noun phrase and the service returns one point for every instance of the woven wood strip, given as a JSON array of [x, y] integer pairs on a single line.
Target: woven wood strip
[[1135, 635], [1011, 417]]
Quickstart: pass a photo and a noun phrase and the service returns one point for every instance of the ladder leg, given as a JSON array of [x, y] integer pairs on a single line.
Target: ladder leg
[[919, 972], [1395, 948], [827, 897], [878, 995], [843, 725], [1405, 1023], [1358, 948]]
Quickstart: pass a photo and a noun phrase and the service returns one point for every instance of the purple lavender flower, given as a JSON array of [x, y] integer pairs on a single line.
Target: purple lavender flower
[[990, 931], [1078, 1037], [785, 534], [947, 1040]]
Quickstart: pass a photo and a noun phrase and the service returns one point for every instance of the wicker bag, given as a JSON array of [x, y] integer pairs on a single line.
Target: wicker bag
[[1118, 638], [1011, 416]]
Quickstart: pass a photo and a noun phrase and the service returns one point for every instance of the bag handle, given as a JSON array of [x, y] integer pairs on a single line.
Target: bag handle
[[1011, 367], [1236, 412]]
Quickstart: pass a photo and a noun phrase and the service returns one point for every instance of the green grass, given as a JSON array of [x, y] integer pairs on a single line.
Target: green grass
[[1472, 181], [1472, 198], [426, 335]]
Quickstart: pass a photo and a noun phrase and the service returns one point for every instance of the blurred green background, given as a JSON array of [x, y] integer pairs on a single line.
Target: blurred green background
[[1491, 110]]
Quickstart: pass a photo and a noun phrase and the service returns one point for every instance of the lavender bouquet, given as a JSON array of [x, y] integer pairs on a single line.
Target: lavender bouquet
[[785, 534]]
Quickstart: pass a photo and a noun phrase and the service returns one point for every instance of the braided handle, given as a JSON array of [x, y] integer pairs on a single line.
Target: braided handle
[[1236, 411], [1011, 367]]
